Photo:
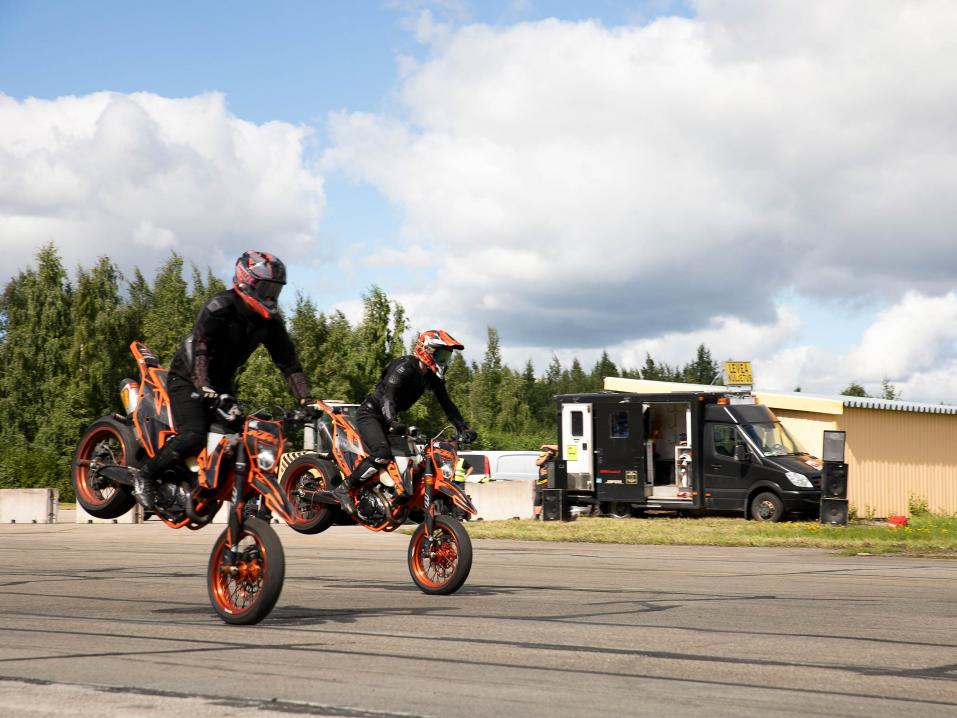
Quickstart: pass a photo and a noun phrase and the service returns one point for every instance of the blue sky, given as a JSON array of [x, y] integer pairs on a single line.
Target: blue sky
[[448, 150]]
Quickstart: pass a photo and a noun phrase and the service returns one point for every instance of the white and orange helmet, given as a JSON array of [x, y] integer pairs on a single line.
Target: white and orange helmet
[[434, 348]]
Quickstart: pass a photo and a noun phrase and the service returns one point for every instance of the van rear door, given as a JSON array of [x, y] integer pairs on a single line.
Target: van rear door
[[577, 446]]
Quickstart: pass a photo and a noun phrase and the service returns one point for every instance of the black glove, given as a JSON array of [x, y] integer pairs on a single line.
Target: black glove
[[469, 435], [207, 393], [396, 428], [310, 410]]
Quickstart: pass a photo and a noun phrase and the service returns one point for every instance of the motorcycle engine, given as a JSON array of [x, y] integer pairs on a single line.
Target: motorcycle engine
[[170, 498], [372, 507]]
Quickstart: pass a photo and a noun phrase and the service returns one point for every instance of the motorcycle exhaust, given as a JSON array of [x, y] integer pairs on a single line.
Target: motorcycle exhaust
[[113, 472]]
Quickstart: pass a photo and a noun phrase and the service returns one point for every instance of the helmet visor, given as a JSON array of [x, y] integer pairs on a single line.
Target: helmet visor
[[267, 291], [442, 355]]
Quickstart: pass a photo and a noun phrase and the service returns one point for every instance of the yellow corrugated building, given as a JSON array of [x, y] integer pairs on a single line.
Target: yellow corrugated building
[[896, 451]]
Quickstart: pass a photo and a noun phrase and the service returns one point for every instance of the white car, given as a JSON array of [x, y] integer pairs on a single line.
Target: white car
[[501, 465]]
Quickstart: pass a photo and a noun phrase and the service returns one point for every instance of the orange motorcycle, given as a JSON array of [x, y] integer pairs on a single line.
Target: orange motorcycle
[[416, 485], [247, 564]]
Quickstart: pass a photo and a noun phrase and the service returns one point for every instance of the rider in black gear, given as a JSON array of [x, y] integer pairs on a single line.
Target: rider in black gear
[[228, 330], [402, 383]]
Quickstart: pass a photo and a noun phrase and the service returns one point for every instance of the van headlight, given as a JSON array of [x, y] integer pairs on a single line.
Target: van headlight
[[799, 480], [266, 458]]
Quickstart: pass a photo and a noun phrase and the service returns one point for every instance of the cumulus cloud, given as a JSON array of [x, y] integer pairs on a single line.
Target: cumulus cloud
[[138, 176], [588, 184]]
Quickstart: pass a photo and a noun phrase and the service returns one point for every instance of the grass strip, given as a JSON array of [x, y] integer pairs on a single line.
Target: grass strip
[[928, 535]]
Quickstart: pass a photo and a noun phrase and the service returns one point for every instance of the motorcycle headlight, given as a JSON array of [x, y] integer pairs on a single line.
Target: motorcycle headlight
[[799, 480], [447, 471], [266, 458]]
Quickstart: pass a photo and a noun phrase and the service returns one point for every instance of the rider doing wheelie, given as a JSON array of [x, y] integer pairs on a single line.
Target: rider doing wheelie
[[228, 330], [402, 383]]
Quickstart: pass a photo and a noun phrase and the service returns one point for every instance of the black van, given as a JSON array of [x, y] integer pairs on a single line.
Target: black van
[[694, 452]]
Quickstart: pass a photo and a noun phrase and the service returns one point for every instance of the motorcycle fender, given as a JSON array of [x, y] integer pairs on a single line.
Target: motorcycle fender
[[459, 497], [276, 499]]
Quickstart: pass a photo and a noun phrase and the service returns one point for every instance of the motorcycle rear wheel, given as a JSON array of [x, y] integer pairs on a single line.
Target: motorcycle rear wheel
[[245, 593], [113, 441], [443, 570], [311, 517]]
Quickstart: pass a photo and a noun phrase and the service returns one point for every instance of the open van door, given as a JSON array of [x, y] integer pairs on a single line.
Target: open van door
[[577, 446]]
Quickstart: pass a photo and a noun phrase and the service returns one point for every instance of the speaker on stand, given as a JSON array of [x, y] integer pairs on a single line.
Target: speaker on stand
[[834, 507]]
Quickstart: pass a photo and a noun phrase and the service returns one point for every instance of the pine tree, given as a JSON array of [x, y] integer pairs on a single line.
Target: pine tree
[[888, 390], [336, 371], [702, 370], [172, 312], [99, 356], [484, 394], [603, 367], [577, 378], [34, 383]]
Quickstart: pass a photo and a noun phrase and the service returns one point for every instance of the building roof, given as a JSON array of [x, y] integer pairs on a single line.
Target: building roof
[[796, 401]]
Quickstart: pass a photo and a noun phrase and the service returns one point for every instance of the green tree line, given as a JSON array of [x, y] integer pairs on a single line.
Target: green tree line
[[64, 348]]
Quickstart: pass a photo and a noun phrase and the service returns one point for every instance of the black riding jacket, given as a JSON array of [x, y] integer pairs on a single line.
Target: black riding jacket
[[402, 384], [226, 333]]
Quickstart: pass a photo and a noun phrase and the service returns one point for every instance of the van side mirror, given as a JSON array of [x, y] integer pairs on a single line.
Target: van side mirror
[[741, 452]]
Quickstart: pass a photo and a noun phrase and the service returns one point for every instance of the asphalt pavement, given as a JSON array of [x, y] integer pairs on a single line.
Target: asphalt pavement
[[115, 620]]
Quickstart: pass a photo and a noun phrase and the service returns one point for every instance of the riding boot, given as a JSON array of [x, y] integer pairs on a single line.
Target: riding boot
[[364, 469], [144, 489], [343, 495]]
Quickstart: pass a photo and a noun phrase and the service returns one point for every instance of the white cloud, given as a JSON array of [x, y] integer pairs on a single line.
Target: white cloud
[[137, 176], [589, 185]]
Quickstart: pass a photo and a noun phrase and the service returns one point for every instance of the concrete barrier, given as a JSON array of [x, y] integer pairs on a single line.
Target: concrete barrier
[[133, 516], [29, 506], [503, 499], [222, 516]]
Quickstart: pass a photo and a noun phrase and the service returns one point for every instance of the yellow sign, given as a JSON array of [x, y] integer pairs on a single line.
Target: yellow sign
[[738, 373], [571, 452]]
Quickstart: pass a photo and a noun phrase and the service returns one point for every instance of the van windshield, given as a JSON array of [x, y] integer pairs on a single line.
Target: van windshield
[[773, 439]]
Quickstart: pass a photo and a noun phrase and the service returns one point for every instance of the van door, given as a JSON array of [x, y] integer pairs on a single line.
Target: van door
[[726, 480], [619, 452], [577, 446]]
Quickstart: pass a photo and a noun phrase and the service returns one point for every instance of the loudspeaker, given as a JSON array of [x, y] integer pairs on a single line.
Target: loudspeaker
[[555, 505], [834, 480], [834, 512]]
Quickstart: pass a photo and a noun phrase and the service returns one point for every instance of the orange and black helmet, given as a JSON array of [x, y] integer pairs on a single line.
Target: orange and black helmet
[[259, 279], [434, 347]]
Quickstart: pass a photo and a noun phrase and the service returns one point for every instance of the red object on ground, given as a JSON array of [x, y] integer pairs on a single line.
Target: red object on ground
[[897, 520]]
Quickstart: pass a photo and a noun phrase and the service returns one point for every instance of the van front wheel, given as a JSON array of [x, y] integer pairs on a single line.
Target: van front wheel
[[767, 506]]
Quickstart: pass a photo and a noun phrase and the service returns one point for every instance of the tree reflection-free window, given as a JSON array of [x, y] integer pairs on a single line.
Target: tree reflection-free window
[[578, 424], [724, 440], [618, 425]]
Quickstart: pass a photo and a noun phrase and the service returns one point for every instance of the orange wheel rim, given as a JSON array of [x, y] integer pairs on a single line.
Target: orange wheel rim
[[236, 589], [103, 439], [436, 567]]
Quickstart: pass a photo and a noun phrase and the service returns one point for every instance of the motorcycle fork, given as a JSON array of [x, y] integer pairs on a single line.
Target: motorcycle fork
[[235, 523], [428, 507]]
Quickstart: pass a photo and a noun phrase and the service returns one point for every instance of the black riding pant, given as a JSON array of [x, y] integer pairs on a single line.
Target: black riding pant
[[192, 419], [372, 428]]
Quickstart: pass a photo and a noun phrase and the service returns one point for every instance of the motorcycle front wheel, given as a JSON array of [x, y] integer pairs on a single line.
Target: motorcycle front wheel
[[109, 442], [244, 591], [441, 569]]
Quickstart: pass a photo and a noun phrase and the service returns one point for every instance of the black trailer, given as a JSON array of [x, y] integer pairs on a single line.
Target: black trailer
[[691, 452]]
